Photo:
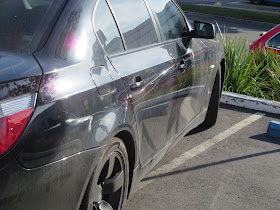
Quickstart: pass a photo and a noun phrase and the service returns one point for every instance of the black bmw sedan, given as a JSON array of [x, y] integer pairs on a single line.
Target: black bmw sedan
[[93, 93]]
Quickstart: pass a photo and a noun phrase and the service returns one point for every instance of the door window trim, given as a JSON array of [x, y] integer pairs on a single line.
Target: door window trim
[[159, 25], [136, 49], [117, 23], [156, 25], [122, 36], [154, 21], [94, 30], [184, 16]]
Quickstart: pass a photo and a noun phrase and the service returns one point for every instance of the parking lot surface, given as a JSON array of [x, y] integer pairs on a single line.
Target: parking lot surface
[[268, 7], [233, 165], [250, 30]]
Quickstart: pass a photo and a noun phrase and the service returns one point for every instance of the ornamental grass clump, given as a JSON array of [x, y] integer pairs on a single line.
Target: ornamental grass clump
[[250, 73]]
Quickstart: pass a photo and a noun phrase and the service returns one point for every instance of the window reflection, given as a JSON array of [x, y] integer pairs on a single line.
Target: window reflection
[[170, 18], [106, 29], [134, 22]]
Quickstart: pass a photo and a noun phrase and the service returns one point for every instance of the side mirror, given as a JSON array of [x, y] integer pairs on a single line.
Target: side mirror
[[204, 30]]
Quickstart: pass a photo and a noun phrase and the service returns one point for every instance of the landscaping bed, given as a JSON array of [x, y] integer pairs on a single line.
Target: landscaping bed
[[255, 74]]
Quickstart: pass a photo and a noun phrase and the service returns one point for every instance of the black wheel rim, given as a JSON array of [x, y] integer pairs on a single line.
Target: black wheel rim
[[112, 183]]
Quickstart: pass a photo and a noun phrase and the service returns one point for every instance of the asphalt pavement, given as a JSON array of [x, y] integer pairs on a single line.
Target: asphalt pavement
[[236, 4], [246, 5], [233, 165], [209, 2]]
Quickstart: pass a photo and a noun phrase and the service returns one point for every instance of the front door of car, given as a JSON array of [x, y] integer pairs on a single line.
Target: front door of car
[[191, 77], [188, 89], [146, 67]]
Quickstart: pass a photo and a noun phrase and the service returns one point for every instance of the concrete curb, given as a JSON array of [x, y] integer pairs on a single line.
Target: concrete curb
[[250, 102]]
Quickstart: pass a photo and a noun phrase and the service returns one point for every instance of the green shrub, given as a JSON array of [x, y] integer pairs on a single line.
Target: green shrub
[[251, 73]]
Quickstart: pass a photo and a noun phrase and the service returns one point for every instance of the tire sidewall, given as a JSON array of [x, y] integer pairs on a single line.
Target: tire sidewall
[[214, 102], [115, 145]]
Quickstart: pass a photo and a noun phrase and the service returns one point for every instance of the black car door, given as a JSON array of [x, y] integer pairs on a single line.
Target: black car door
[[191, 72], [147, 69]]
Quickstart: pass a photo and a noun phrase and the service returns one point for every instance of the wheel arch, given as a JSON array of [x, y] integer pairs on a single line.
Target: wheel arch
[[128, 141], [127, 138]]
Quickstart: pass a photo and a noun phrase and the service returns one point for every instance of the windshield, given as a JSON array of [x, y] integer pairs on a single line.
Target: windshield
[[20, 22]]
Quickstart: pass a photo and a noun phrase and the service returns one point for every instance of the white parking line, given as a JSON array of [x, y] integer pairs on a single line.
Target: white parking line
[[200, 148]]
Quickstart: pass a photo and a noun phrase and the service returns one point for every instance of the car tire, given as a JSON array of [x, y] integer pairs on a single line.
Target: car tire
[[212, 112], [256, 1], [108, 187]]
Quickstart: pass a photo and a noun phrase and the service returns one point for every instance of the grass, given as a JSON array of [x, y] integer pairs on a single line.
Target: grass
[[254, 74], [234, 13]]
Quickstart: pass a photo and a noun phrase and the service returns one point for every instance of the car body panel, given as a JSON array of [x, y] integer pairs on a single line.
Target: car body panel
[[42, 187], [85, 98], [19, 74], [70, 115], [264, 40], [190, 83], [152, 103]]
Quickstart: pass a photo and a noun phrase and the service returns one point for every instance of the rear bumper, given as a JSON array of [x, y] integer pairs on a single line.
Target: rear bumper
[[59, 185]]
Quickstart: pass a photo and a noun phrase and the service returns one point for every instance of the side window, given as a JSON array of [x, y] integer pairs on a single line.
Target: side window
[[106, 29], [170, 19], [274, 42], [135, 23]]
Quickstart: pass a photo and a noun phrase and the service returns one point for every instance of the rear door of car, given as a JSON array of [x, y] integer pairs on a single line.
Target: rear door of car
[[147, 69], [190, 61]]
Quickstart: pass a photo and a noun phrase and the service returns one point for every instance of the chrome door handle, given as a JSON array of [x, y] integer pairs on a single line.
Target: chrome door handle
[[138, 83], [182, 67]]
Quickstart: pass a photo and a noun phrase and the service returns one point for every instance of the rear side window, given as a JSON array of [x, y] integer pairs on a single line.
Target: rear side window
[[170, 18], [23, 23], [106, 29], [274, 42], [135, 23]]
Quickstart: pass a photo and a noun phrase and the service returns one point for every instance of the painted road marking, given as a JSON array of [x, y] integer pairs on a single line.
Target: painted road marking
[[200, 148]]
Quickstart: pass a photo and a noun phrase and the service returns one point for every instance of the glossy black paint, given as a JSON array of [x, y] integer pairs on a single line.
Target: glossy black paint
[[153, 102], [49, 186], [72, 114], [19, 74], [148, 96]]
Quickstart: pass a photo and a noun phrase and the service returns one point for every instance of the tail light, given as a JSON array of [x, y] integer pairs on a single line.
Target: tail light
[[14, 116]]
